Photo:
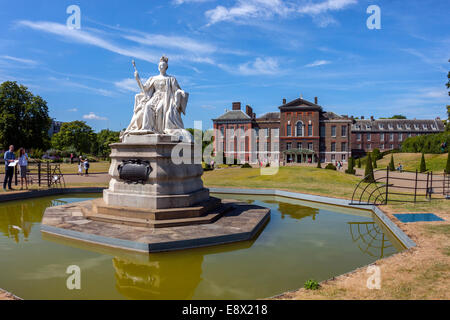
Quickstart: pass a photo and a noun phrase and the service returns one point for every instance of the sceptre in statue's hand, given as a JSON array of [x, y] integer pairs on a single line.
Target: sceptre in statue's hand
[[138, 78]]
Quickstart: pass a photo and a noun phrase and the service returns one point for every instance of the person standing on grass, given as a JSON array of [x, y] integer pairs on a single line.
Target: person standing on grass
[[71, 158], [23, 163], [86, 167], [9, 157], [80, 164]]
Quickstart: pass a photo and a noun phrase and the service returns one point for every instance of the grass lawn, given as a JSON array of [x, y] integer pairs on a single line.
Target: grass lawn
[[411, 161], [94, 167], [301, 179]]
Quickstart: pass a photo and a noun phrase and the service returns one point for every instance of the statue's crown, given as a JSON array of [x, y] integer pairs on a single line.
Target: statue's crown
[[164, 59]]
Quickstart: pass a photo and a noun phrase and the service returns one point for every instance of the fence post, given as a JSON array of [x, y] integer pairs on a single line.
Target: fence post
[[48, 174], [39, 173], [428, 178], [387, 185], [431, 184], [15, 175], [415, 189]]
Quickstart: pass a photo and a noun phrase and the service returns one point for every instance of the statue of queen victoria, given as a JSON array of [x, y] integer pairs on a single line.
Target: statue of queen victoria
[[159, 105]]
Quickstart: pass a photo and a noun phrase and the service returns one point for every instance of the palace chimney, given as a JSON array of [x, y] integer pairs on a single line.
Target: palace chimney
[[284, 101], [372, 118], [236, 106], [362, 117], [316, 100], [248, 110]]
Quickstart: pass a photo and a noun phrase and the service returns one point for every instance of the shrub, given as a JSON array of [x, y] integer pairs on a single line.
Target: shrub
[[429, 143], [268, 165], [447, 167], [368, 172], [207, 167], [351, 166], [376, 155], [374, 161], [246, 166], [391, 164], [312, 284], [319, 166], [330, 166], [423, 166]]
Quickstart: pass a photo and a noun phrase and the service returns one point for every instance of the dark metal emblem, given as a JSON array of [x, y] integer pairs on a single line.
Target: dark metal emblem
[[134, 171]]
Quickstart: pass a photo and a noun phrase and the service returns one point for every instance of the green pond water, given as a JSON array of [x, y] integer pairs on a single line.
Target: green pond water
[[301, 241]]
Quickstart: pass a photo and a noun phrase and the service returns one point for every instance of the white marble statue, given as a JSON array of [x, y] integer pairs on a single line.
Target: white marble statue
[[158, 108]]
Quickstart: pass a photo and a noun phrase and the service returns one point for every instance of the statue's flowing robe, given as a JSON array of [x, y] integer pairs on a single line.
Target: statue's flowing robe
[[159, 109]]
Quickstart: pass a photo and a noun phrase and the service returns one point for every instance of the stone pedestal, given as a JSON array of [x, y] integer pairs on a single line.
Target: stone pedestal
[[169, 185]]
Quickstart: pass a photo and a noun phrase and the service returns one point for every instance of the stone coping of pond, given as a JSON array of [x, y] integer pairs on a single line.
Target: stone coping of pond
[[395, 230], [240, 222]]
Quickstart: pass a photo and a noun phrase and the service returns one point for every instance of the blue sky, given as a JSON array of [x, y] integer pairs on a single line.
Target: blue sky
[[254, 51]]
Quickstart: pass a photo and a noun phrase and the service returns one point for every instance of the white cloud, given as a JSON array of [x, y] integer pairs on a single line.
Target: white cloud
[[85, 37], [163, 41], [73, 110], [264, 9], [260, 66], [248, 9], [325, 6], [127, 85], [317, 63], [21, 60], [93, 116], [178, 2]]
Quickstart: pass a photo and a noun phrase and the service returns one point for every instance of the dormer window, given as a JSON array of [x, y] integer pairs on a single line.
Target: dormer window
[[367, 127], [433, 127], [381, 126], [399, 127], [416, 126], [425, 127], [408, 127], [391, 127]]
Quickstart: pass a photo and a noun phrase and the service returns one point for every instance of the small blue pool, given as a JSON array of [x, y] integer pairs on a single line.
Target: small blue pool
[[417, 217]]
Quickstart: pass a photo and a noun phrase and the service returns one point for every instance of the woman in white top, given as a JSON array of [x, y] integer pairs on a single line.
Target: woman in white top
[[23, 163]]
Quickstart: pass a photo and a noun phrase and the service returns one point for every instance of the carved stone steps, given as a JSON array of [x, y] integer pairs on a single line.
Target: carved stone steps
[[210, 217], [100, 208]]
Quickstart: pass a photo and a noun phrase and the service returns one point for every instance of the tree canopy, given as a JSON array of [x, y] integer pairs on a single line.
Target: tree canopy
[[24, 119], [76, 134]]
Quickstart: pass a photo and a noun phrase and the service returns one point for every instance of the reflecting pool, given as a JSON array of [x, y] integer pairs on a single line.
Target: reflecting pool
[[301, 241]]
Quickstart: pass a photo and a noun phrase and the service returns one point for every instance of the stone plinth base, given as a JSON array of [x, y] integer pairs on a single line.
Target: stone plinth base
[[204, 212], [171, 183], [238, 222]]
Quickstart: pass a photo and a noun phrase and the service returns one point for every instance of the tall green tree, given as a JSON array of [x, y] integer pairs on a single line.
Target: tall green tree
[[75, 134], [391, 164], [24, 119], [368, 172], [351, 166], [423, 166], [374, 161], [104, 139]]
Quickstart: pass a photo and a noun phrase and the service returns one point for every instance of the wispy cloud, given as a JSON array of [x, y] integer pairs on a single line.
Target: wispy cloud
[[178, 2], [325, 6], [86, 37], [93, 116], [73, 110], [20, 60], [127, 85], [260, 66], [317, 63], [264, 9]]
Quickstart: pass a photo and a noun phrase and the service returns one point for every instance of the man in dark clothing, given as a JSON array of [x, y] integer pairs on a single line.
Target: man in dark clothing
[[9, 171]]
